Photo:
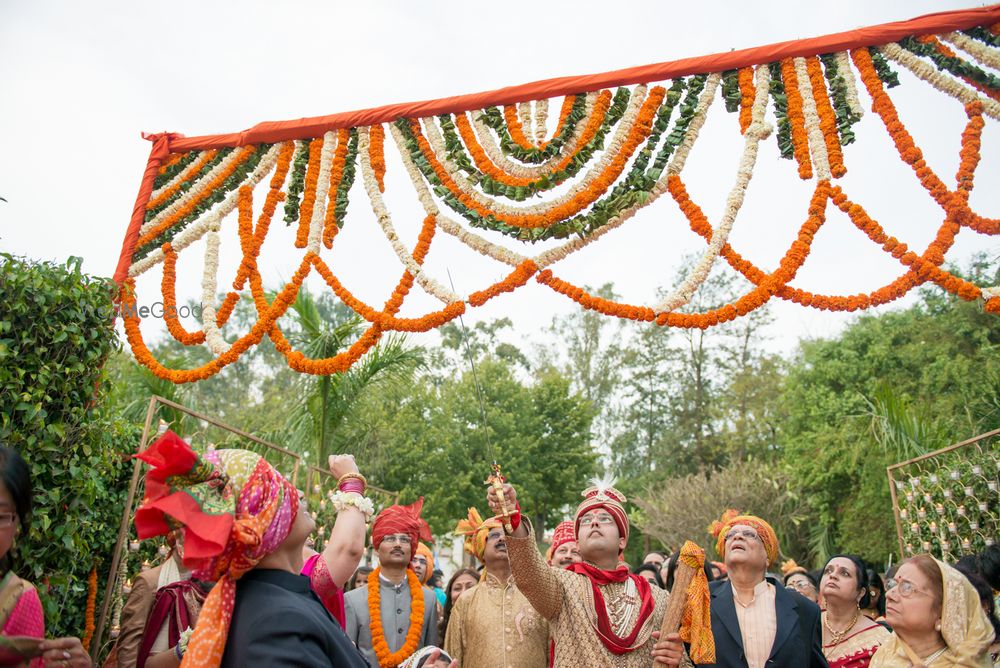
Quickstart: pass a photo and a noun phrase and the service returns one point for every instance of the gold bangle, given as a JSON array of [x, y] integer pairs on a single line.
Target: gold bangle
[[352, 475]]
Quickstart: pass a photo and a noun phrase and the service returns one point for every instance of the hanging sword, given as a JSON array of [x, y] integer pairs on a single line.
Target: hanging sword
[[496, 478]]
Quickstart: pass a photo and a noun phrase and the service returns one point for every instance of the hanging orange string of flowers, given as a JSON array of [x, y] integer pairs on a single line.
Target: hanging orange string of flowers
[[330, 224], [483, 163], [513, 281], [171, 160], [827, 117], [386, 657], [309, 194], [515, 128], [748, 91], [564, 112], [376, 152], [796, 118], [197, 198], [189, 172], [639, 131], [88, 631], [168, 291]]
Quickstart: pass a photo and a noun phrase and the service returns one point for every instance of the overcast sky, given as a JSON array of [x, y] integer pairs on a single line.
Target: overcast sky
[[81, 80]]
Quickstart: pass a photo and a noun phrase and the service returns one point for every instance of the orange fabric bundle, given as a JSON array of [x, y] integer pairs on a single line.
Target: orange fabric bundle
[[696, 624]]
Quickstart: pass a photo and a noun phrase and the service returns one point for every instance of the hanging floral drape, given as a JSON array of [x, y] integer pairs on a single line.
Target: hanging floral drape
[[619, 142]]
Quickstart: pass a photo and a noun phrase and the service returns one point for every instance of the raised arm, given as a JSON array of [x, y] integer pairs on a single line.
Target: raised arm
[[347, 537], [535, 578]]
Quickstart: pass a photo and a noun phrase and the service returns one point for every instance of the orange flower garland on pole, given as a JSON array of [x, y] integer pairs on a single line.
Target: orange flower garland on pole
[[386, 657], [309, 194], [827, 117], [88, 631], [748, 91]]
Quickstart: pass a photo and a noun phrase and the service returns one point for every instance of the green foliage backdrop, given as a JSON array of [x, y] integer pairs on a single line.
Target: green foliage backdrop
[[56, 332]]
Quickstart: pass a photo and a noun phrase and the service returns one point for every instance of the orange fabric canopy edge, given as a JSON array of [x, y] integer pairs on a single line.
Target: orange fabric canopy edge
[[274, 131]]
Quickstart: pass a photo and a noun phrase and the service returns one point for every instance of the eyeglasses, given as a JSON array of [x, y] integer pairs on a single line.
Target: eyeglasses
[[402, 539], [494, 535], [799, 586], [604, 520], [7, 520], [747, 534], [905, 588]]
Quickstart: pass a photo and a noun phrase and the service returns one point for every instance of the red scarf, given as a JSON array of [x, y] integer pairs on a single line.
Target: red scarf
[[597, 577]]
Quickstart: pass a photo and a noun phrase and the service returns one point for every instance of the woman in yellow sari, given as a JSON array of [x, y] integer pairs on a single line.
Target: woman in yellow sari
[[936, 619]]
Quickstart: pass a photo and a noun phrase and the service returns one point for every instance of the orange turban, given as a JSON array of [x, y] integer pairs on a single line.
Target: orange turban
[[402, 519], [426, 552], [476, 529], [731, 518]]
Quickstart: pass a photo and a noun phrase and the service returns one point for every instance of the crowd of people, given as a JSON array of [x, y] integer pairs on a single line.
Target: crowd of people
[[241, 587]]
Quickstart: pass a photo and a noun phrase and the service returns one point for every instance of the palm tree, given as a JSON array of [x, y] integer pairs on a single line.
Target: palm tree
[[324, 403]]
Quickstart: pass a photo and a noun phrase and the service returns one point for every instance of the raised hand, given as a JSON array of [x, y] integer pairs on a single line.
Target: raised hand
[[510, 496], [341, 465]]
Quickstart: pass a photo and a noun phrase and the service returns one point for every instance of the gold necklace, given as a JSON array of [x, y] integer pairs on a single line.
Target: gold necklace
[[838, 636]]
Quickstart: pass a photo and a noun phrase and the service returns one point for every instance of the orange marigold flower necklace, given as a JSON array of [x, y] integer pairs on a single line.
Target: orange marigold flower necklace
[[386, 657]]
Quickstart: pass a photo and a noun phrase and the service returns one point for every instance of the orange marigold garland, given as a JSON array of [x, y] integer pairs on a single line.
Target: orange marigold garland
[[189, 172], [827, 117], [515, 128], [309, 195], [748, 91], [376, 151], [386, 657], [168, 291], [330, 223], [88, 632], [797, 119]]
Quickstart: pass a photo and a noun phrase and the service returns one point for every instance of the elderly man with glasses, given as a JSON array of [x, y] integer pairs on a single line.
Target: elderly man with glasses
[[493, 624], [756, 622], [599, 613]]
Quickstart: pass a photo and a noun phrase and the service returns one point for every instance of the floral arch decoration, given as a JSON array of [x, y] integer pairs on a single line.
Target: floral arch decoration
[[621, 141]]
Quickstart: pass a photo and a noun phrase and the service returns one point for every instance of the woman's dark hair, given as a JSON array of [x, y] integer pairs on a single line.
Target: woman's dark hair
[[989, 565], [672, 568], [362, 570], [968, 565], [639, 570], [986, 600], [860, 573], [17, 478], [875, 582], [449, 601]]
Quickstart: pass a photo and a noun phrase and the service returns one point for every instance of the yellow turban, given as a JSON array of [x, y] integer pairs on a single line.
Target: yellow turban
[[426, 552], [731, 518], [475, 530]]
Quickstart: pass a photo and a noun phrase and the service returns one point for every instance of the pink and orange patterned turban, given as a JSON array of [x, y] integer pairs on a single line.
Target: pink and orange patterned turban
[[402, 519], [731, 518], [565, 532], [233, 509], [476, 529]]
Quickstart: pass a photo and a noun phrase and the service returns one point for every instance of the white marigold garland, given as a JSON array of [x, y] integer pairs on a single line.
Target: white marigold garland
[[541, 118], [496, 155], [817, 143], [209, 285], [757, 131], [195, 189], [385, 222], [449, 226], [322, 189], [436, 142], [524, 113], [554, 255], [196, 230], [943, 83], [851, 83], [985, 55]]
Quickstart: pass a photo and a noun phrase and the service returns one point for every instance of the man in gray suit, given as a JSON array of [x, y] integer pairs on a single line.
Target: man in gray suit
[[395, 533]]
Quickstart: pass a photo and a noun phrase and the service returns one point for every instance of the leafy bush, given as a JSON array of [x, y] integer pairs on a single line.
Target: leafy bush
[[56, 331], [680, 509]]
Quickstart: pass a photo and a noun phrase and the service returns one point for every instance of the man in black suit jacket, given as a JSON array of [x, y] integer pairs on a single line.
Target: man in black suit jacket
[[757, 623]]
